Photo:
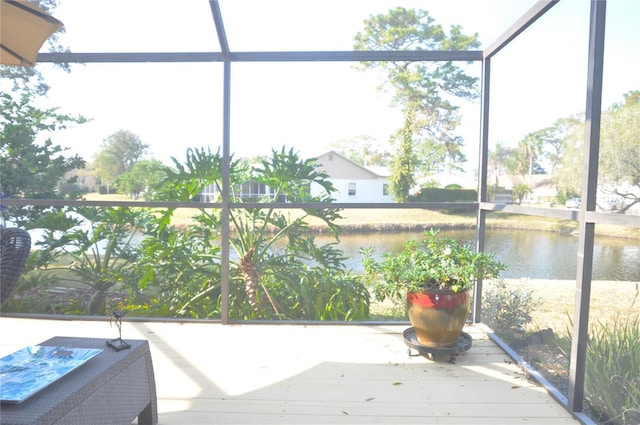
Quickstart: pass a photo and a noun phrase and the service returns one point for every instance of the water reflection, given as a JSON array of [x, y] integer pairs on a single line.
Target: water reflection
[[528, 254]]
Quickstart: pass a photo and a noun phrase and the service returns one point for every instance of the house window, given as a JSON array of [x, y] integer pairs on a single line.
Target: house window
[[352, 189], [385, 189]]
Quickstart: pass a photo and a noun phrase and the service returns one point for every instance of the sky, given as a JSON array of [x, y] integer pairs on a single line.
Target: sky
[[538, 79]]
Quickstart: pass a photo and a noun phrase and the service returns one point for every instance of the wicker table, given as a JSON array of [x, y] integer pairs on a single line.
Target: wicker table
[[112, 388]]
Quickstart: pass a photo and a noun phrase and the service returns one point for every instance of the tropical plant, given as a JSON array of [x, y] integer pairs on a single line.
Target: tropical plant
[[520, 190], [433, 263], [179, 270], [92, 247], [276, 268]]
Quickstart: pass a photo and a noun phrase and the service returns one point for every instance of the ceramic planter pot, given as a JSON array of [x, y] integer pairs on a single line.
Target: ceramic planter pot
[[438, 316]]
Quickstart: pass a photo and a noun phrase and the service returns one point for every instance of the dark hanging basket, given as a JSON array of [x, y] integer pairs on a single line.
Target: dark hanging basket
[[15, 245]]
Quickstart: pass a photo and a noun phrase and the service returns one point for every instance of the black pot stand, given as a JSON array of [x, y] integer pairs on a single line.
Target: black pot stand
[[411, 340]]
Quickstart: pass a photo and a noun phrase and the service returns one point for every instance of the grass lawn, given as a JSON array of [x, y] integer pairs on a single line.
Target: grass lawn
[[399, 219], [610, 301]]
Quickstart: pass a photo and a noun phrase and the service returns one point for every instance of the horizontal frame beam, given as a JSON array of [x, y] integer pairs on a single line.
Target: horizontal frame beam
[[262, 205], [574, 215], [319, 56]]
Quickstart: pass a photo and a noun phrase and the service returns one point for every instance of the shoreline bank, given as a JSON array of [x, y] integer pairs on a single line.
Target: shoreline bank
[[609, 231]]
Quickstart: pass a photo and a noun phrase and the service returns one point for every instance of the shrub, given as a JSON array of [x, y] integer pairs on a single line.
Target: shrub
[[445, 195], [507, 307], [612, 382]]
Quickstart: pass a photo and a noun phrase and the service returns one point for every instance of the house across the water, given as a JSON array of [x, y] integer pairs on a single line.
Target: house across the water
[[353, 183]]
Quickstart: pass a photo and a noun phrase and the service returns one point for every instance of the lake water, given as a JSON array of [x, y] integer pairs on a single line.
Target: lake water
[[528, 254]]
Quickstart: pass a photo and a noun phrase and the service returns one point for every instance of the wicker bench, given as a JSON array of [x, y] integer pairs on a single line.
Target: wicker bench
[[114, 387], [15, 245]]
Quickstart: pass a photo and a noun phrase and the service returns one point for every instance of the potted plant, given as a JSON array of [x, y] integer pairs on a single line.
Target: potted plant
[[435, 276]]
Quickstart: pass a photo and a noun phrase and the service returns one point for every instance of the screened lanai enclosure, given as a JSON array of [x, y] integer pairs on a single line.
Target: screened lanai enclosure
[[216, 90]]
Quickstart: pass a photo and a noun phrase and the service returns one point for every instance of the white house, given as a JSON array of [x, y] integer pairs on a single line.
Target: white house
[[353, 182]]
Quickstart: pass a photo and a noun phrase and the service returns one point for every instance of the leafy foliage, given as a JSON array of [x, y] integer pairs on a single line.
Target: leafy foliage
[[179, 270], [520, 190], [363, 150], [403, 166], [94, 246], [612, 380], [620, 153], [142, 179], [277, 270], [27, 168], [434, 263], [619, 166], [423, 89], [120, 152], [507, 307]]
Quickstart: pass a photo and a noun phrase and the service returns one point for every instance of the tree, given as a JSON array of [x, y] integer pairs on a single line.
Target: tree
[[143, 178], [526, 157], [556, 134], [120, 151], [528, 153], [499, 161], [520, 190], [568, 162], [31, 169], [620, 150], [424, 90], [619, 165], [106, 169], [363, 150], [403, 166]]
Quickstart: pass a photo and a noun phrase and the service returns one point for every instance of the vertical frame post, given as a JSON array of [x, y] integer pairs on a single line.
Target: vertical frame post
[[593, 114], [226, 159], [483, 157]]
